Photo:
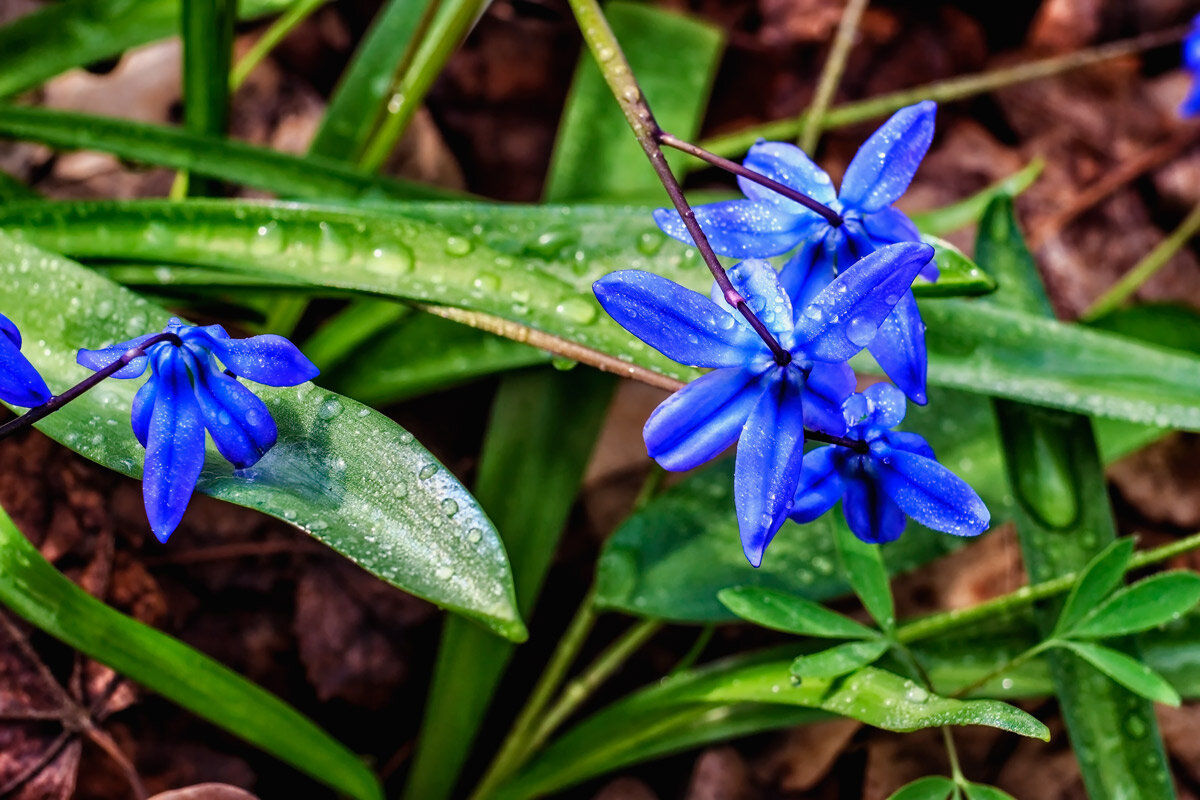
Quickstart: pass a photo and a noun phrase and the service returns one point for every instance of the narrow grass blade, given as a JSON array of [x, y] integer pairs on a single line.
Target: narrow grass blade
[[207, 32]]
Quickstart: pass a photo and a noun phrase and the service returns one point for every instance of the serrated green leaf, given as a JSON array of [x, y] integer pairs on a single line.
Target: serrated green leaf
[[789, 613], [863, 567], [1104, 573], [340, 471], [931, 787], [1125, 670], [313, 177], [839, 660], [75, 33], [1146, 604], [33, 589]]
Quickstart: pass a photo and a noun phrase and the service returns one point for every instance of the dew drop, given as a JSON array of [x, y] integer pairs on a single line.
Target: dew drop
[[427, 471], [329, 409], [458, 246], [449, 507], [474, 536], [577, 310], [443, 573]]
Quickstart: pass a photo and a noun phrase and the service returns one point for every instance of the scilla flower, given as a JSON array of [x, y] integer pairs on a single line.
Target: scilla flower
[[768, 224], [1191, 60], [20, 383], [188, 392], [896, 477], [749, 394]]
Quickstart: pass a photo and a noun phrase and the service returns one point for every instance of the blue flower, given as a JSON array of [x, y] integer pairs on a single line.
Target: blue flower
[[898, 476], [1191, 60], [20, 383], [749, 395], [188, 392], [768, 224]]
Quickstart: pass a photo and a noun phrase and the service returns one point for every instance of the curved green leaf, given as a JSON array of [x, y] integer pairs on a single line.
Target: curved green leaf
[[1125, 670], [1104, 573], [839, 660], [39, 593], [980, 791], [931, 787], [786, 612], [59, 36], [1144, 605], [340, 471], [313, 177], [862, 564]]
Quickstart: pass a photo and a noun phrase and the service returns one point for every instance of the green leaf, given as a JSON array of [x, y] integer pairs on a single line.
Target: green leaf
[[1063, 520], [931, 787], [862, 565], [597, 155], [786, 612], [228, 160], [340, 471], [1146, 604], [40, 594], [13, 190], [839, 660], [958, 264], [1163, 324], [365, 86], [979, 791], [1104, 573], [207, 32], [1125, 670], [717, 690], [59, 36], [947, 219]]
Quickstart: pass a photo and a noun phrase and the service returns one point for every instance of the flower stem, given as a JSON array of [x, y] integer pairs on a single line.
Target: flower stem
[[58, 401], [513, 750], [1145, 269], [619, 76], [943, 91], [831, 73], [938, 624], [670, 140], [1011, 664]]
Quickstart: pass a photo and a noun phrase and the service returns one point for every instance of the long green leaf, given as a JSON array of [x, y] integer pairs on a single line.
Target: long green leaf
[[862, 565], [1146, 604], [538, 276], [839, 660], [59, 36], [1127, 671], [366, 84], [340, 471], [1104, 573], [312, 177], [1063, 521], [931, 787], [791, 614], [39, 593], [207, 32]]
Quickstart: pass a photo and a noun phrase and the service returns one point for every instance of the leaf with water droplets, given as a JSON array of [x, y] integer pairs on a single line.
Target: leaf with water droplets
[[340, 470], [1146, 604], [839, 660], [787, 612]]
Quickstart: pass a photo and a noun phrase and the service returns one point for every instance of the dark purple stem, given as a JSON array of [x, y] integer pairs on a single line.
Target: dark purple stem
[[58, 401], [831, 216], [857, 445]]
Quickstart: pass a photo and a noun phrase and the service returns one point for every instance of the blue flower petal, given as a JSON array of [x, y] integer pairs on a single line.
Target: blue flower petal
[[844, 317], [810, 269], [870, 512], [20, 383], [240, 424], [885, 164], [787, 164], [769, 460], [683, 325], [739, 228], [1191, 105], [703, 418], [909, 442], [99, 359], [931, 494], [267, 359], [174, 448], [821, 485], [887, 405], [890, 225], [758, 282], [143, 409], [9, 329], [827, 387], [899, 348]]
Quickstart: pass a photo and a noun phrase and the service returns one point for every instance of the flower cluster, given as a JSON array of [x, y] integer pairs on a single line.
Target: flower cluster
[[846, 287], [187, 393]]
